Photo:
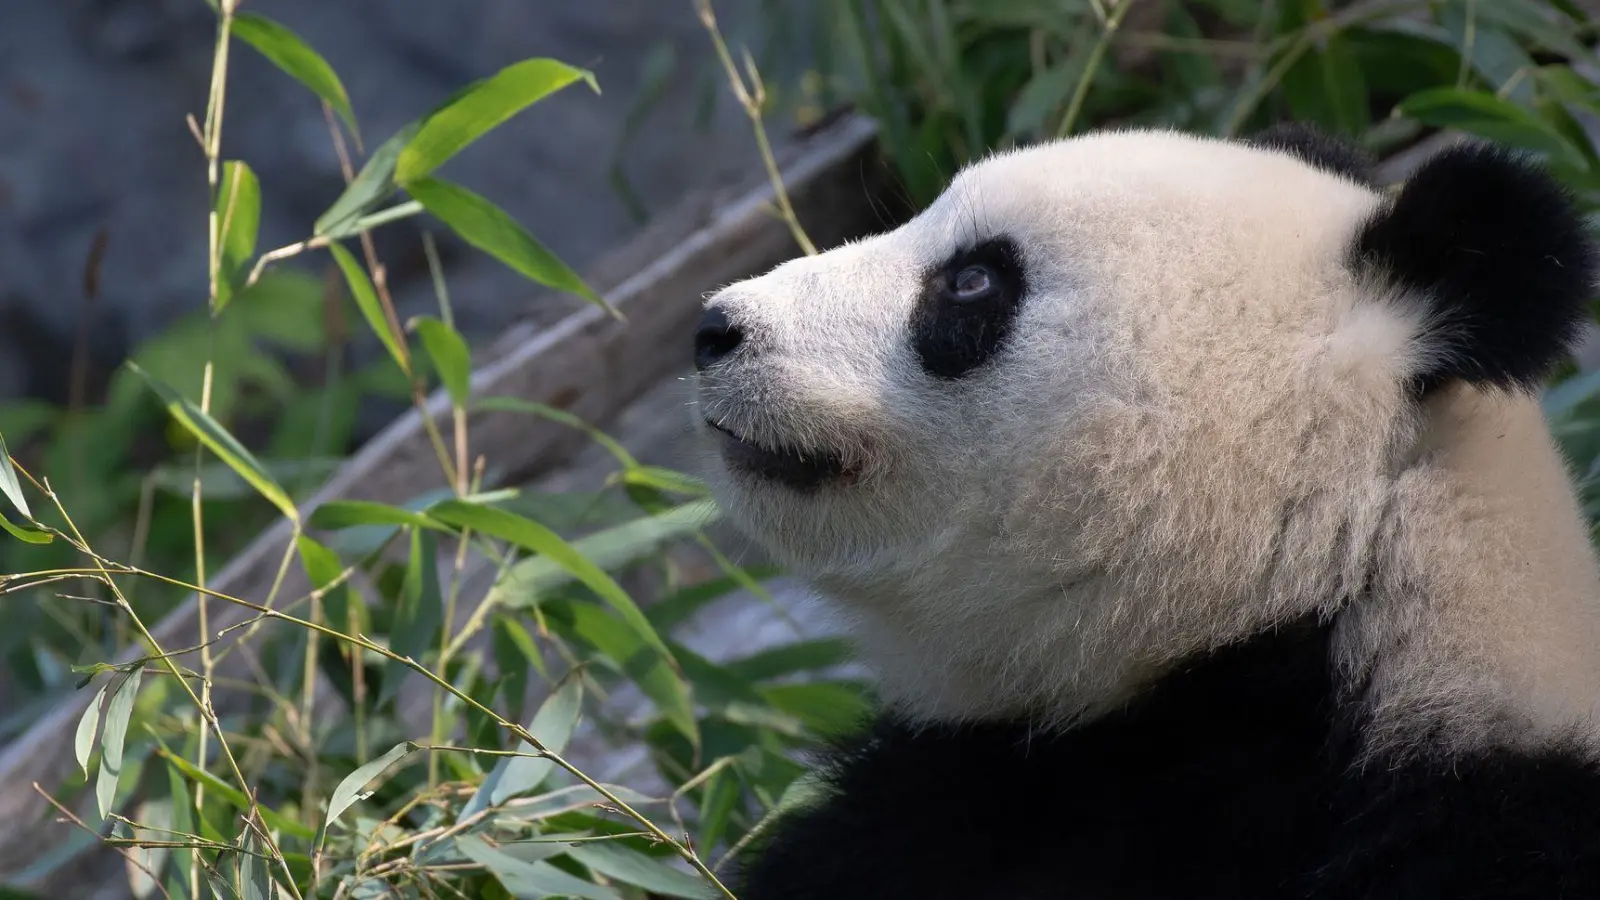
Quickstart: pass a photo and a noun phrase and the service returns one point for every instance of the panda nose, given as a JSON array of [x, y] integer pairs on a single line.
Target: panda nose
[[715, 338]]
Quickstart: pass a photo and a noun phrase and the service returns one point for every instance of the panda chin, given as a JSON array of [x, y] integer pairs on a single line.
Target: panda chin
[[803, 471]]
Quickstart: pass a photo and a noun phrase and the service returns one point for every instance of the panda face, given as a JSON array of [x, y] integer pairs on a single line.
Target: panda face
[[879, 404], [1068, 423]]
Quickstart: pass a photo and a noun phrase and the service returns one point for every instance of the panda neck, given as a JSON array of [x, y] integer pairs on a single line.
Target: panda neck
[[1482, 626]]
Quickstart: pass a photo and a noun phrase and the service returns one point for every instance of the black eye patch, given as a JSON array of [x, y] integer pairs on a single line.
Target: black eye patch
[[967, 308]]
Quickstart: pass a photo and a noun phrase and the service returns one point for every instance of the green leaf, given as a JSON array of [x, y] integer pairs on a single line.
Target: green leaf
[[366, 298], [1494, 54], [255, 878], [657, 677], [113, 738], [530, 880], [662, 479], [420, 612], [826, 707], [83, 741], [323, 568], [488, 227], [238, 218], [478, 109], [633, 867], [220, 442], [530, 535], [8, 481], [352, 788], [296, 58], [787, 659], [609, 550], [1561, 83], [1488, 116], [24, 533], [1326, 86], [553, 725], [214, 785], [371, 186], [451, 358], [336, 515], [1532, 21], [518, 405]]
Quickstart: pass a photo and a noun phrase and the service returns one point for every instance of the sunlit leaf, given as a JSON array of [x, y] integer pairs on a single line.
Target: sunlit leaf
[[340, 514], [113, 738], [220, 442], [488, 227], [296, 58], [25, 533], [352, 789], [451, 357], [610, 550], [88, 725], [478, 109], [366, 298], [9, 484], [371, 186], [239, 218]]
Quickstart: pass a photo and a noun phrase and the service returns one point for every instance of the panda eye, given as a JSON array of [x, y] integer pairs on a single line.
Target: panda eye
[[973, 283]]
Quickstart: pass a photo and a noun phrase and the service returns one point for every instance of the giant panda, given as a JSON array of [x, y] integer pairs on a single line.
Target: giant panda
[[1191, 501]]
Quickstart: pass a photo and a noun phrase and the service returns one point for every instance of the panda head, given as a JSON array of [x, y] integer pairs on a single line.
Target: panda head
[[1121, 398]]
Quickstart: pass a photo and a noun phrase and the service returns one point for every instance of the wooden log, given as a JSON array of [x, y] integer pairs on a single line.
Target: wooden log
[[587, 363]]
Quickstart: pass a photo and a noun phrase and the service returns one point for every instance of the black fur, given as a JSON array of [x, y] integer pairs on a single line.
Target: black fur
[[1232, 778], [953, 336], [1315, 148], [1498, 252]]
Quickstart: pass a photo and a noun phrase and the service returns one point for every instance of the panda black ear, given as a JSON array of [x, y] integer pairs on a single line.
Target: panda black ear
[[1317, 149], [1497, 252]]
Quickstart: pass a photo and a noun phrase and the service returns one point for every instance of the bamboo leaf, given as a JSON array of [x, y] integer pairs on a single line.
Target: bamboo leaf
[[530, 880], [662, 682], [488, 227], [8, 481], [552, 725], [451, 358], [610, 549], [88, 724], [530, 535], [296, 58], [1489, 116], [366, 298], [239, 217], [629, 866], [371, 186], [420, 613], [220, 442], [352, 789], [214, 785], [336, 515], [480, 108], [113, 739]]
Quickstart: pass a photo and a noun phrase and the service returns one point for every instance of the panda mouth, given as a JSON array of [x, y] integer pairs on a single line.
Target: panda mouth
[[801, 470]]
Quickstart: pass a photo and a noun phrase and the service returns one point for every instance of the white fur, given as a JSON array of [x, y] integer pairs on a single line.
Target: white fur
[[1197, 430]]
